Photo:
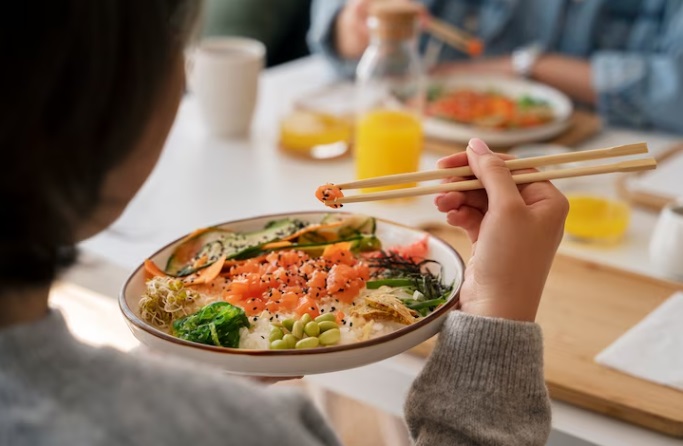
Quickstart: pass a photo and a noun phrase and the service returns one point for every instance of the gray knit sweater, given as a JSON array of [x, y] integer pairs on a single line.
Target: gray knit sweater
[[483, 385]]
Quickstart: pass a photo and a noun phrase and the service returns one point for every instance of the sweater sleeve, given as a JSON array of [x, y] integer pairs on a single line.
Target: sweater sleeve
[[640, 90], [482, 385]]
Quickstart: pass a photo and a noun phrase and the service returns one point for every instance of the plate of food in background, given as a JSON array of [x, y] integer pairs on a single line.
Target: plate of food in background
[[501, 110], [294, 294]]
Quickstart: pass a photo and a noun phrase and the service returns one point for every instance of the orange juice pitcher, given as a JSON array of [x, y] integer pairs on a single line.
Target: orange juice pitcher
[[390, 95]]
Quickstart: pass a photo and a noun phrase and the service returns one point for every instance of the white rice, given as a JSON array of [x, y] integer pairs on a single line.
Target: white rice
[[352, 329]]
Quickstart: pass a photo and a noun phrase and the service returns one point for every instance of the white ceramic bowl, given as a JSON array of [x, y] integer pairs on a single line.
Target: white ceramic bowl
[[299, 362], [513, 87]]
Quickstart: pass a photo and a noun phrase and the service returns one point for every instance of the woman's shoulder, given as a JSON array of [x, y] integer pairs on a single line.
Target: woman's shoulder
[[61, 388]]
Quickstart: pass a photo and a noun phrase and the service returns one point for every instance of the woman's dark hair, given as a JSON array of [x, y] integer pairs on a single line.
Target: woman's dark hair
[[80, 79]]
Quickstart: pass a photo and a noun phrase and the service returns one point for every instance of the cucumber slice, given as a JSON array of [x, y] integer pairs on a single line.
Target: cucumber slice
[[351, 225], [180, 262], [217, 243], [275, 230], [311, 237]]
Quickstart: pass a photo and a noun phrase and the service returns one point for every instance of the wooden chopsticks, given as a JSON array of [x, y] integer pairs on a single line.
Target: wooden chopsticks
[[454, 37], [516, 164], [449, 34]]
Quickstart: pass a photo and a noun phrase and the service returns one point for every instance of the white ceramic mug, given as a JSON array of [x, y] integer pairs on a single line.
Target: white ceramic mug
[[666, 245], [223, 73]]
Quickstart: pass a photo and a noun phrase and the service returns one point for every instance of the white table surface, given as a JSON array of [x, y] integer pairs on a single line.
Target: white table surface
[[201, 181]]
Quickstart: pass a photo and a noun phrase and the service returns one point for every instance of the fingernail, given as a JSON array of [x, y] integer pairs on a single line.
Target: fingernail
[[478, 146]]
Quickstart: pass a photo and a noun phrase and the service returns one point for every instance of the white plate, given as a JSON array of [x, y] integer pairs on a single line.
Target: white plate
[[299, 362], [513, 87]]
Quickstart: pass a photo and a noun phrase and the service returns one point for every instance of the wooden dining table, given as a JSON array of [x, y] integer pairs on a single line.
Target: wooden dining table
[[202, 180]]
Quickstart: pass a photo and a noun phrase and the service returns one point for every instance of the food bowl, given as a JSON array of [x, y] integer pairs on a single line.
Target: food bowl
[[268, 362]]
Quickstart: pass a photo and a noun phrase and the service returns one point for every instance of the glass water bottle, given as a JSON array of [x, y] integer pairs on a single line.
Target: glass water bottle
[[390, 95]]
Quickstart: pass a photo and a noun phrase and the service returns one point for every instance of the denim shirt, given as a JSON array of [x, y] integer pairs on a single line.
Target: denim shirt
[[635, 46]]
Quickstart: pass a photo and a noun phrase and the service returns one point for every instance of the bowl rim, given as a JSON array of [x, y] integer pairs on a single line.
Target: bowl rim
[[133, 319]]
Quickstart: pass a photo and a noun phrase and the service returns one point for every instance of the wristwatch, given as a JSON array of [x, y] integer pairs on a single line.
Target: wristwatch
[[524, 58]]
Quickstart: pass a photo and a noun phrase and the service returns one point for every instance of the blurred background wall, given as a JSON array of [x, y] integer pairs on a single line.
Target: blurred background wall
[[280, 24]]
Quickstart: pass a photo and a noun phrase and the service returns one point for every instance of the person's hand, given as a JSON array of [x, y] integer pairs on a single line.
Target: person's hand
[[351, 30], [515, 232]]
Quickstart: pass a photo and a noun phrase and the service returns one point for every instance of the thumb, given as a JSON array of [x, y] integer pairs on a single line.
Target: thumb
[[490, 169]]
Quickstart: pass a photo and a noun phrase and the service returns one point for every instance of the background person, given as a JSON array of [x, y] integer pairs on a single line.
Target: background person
[[625, 58], [280, 25]]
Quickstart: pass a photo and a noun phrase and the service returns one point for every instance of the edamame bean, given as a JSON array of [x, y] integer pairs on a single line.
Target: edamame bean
[[330, 337], [312, 329], [327, 325], [298, 329], [306, 318], [290, 340], [279, 345], [275, 334], [326, 317], [287, 323], [308, 343]]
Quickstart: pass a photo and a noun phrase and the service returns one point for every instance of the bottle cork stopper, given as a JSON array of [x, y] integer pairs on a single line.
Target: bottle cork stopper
[[394, 20]]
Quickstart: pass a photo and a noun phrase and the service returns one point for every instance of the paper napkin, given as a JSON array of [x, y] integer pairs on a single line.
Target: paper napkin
[[653, 348]]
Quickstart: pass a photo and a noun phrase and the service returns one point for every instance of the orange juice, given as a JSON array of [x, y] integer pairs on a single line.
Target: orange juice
[[596, 218], [315, 135], [387, 142]]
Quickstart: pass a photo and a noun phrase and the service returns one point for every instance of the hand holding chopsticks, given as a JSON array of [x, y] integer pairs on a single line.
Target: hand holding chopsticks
[[516, 164]]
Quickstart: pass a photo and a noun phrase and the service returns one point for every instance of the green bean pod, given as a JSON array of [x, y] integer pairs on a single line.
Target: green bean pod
[[288, 323], [330, 337], [298, 329], [290, 340], [279, 345], [312, 329], [275, 334], [326, 317], [327, 325], [308, 343]]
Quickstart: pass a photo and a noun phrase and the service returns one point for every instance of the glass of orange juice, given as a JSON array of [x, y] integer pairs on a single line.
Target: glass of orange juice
[[390, 95], [387, 142], [596, 219], [315, 135]]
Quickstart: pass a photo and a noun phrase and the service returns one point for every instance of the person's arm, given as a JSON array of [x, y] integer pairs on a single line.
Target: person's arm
[[484, 382], [571, 75], [640, 90]]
